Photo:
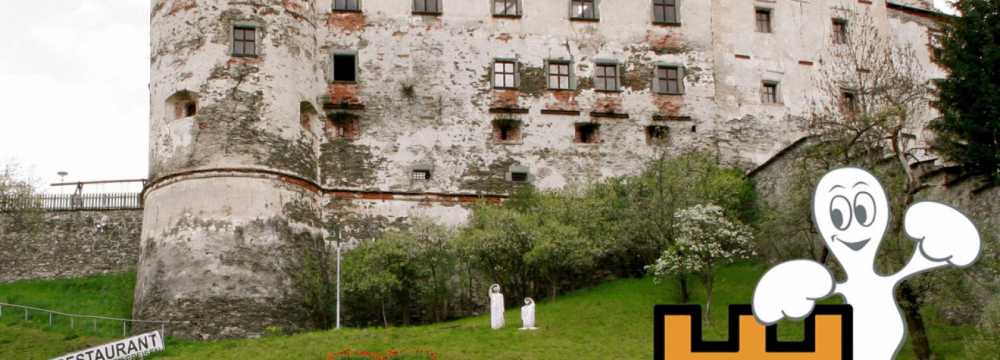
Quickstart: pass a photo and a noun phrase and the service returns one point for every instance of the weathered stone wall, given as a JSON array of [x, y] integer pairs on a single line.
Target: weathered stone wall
[[278, 153], [68, 244]]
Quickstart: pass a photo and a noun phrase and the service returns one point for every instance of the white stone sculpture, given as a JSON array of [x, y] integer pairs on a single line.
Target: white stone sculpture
[[528, 315], [496, 307], [851, 211]]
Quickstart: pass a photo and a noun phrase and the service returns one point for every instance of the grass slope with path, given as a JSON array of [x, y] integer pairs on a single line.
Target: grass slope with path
[[610, 321]]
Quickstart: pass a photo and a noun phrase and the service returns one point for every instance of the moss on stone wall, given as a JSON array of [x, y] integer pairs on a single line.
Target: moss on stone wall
[[348, 164]]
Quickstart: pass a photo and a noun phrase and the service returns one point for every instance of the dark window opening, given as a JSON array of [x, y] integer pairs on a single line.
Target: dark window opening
[[587, 133], [506, 131], [345, 68], [583, 9], [606, 77], [559, 76], [504, 75], [420, 175], [518, 176], [244, 41], [346, 127], [665, 11], [848, 102], [190, 109], [763, 20], [668, 80], [346, 5], [657, 134], [506, 8], [769, 93], [427, 6], [839, 31]]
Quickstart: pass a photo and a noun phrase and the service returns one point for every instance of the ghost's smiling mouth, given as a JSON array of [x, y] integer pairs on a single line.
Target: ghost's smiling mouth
[[857, 245]]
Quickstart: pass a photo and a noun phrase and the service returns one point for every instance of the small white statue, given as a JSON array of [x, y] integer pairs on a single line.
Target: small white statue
[[496, 307], [528, 315]]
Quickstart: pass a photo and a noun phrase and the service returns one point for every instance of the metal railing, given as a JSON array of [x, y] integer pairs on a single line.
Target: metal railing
[[54, 315], [63, 202]]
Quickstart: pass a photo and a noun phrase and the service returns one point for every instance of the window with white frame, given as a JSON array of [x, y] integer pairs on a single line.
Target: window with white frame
[[583, 9], [505, 74], [506, 7], [606, 77], [665, 11]]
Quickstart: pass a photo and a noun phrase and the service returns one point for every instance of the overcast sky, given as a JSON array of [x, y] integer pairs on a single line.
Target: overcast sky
[[73, 87]]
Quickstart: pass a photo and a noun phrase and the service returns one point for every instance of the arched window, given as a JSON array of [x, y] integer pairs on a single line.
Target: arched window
[[182, 104]]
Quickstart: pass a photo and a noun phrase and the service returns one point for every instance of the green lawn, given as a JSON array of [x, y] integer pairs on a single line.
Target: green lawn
[[610, 321]]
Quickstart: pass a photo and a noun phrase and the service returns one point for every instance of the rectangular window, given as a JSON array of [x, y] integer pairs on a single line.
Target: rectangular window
[[665, 11], [518, 176], [769, 93], [420, 175], [839, 31], [848, 102], [587, 133], [504, 75], [506, 131], [763, 20], [657, 134], [427, 7], [244, 41], [669, 80], [606, 77], [346, 5], [345, 67], [583, 9], [506, 7], [559, 75]]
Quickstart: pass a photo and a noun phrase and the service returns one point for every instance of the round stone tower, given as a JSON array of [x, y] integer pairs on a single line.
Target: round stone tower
[[232, 205]]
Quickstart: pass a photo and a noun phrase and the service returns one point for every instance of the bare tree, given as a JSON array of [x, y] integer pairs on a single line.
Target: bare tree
[[873, 98]]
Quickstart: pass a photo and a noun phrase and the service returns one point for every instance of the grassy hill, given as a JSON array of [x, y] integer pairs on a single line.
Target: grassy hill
[[610, 321]]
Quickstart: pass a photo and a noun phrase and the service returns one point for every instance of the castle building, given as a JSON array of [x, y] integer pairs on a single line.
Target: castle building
[[277, 123]]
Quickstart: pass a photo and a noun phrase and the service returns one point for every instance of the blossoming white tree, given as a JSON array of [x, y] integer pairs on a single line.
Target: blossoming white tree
[[706, 239]]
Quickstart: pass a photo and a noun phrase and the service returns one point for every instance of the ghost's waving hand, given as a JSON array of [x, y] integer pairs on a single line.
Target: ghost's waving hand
[[790, 290], [943, 235]]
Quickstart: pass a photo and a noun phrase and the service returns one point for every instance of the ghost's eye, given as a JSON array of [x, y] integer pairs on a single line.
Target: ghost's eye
[[864, 208], [840, 212]]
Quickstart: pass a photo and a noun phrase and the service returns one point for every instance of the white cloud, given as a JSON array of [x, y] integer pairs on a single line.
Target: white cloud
[[74, 82]]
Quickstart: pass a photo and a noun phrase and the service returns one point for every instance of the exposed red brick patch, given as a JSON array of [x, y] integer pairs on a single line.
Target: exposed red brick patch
[[347, 22], [181, 5], [344, 94], [805, 62], [608, 104], [669, 43], [236, 60], [505, 98], [398, 33], [563, 100], [744, 57], [669, 106], [505, 37], [293, 5]]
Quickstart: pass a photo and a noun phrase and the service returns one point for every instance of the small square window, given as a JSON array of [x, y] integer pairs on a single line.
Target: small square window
[[669, 80], [657, 134], [345, 126], [518, 176], [763, 20], [839, 31], [345, 67], [505, 75], [427, 7], [346, 5], [848, 102], [506, 7], [769, 93], [559, 77], [244, 41], [420, 175], [506, 131], [583, 9], [665, 11], [587, 133], [606, 77]]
